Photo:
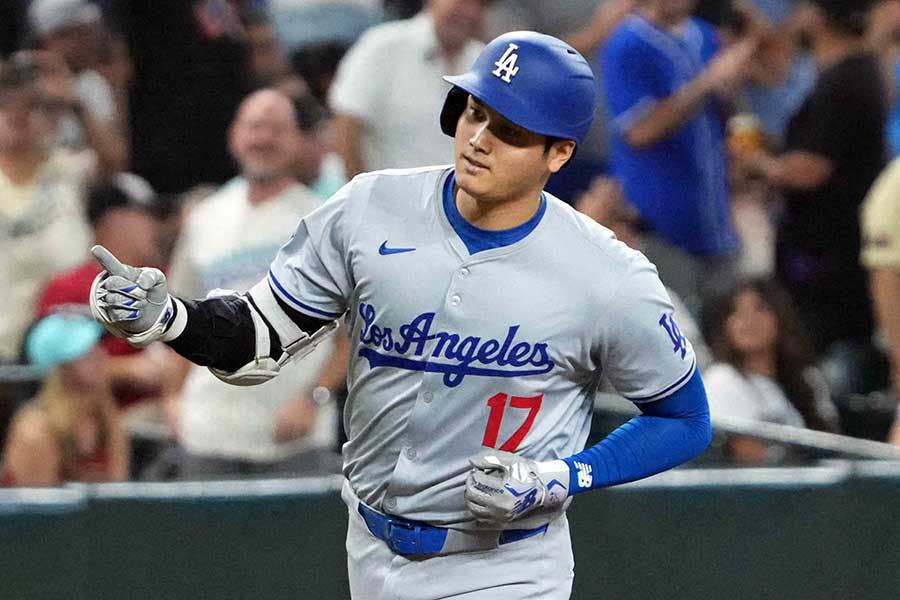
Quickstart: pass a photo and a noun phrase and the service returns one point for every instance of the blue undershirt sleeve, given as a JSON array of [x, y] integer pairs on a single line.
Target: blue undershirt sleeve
[[667, 433]]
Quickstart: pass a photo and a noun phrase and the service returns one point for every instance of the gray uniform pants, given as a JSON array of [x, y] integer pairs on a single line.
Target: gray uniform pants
[[537, 567]]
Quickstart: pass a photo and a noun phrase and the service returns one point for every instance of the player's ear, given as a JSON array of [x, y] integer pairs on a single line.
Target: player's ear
[[559, 154]]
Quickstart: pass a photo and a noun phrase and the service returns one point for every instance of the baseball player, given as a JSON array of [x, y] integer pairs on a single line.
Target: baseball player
[[484, 314]]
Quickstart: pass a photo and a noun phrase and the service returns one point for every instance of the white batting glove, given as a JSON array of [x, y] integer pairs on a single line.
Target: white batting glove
[[504, 487], [130, 302]]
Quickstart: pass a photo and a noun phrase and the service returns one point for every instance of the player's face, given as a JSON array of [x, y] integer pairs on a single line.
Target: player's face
[[752, 326], [497, 160], [264, 137]]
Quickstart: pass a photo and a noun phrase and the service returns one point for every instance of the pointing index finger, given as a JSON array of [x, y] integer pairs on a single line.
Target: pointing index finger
[[109, 262]]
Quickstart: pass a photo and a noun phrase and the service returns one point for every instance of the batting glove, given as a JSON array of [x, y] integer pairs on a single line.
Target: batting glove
[[504, 487], [130, 302]]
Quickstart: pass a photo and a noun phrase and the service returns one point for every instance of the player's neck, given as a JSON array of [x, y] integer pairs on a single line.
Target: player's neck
[[496, 215], [260, 191]]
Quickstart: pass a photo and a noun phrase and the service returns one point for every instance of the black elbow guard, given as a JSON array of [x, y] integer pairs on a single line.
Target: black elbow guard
[[220, 333]]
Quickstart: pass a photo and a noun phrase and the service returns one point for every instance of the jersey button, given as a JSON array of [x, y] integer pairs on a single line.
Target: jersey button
[[427, 397], [455, 300], [390, 503], [411, 453], [464, 272]]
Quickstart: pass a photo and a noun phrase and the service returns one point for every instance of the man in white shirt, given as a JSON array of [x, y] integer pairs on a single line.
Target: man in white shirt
[[388, 86], [43, 229], [227, 243]]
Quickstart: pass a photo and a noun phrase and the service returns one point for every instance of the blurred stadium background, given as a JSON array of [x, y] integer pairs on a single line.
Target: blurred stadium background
[[135, 142]]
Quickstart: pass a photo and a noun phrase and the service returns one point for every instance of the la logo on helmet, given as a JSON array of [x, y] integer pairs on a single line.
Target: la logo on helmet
[[506, 66]]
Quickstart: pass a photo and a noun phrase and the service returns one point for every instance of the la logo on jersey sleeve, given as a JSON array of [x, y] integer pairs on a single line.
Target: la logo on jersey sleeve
[[506, 65], [679, 342]]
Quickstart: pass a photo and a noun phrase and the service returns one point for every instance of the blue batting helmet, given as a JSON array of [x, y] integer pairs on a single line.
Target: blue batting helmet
[[536, 81]]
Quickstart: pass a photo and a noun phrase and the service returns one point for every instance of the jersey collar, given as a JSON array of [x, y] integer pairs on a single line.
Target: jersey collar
[[477, 239]]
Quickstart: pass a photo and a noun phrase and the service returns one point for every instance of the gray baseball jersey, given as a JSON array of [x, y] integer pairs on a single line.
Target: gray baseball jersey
[[455, 352]]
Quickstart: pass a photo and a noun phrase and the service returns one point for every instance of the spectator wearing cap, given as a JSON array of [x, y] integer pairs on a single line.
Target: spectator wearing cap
[[835, 149], [69, 34], [387, 85], [43, 228], [70, 431], [124, 213]]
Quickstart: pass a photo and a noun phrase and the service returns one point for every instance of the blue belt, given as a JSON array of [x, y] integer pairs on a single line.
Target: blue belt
[[408, 538]]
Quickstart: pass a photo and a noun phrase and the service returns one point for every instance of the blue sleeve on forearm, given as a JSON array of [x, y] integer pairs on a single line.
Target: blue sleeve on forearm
[[667, 433]]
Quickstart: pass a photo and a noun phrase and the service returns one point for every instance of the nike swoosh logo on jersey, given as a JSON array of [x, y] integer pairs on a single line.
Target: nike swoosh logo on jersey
[[384, 250]]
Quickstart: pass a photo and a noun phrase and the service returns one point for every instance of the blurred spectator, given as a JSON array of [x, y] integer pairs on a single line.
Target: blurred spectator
[[42, 224], [835, 149], [69, 33], [191, 73], [317, 167], [764, 370], [880, 222], [664, 73], [784, 71], [389, 83], [70, 431], [605, 203], [124, 213], [227, 242]]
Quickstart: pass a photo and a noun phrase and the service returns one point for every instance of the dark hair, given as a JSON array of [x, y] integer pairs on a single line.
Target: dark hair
[[793, 355], [124, 190]]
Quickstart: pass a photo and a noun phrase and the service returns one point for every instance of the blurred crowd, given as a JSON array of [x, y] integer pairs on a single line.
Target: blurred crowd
[[745, 146]]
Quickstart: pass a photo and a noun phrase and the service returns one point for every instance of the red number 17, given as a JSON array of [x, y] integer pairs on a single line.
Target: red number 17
[[497, 403]]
